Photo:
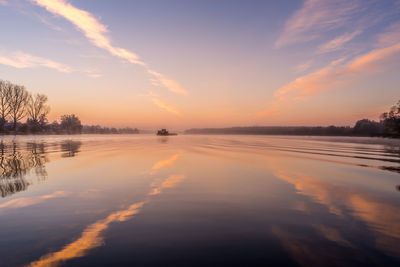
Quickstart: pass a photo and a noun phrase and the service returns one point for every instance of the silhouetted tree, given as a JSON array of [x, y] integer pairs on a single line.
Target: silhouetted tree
[[17, 101], [71, 124], [97, 129], [5, 91], [391, 121], [368, 128], [37, 110], [54, 127]]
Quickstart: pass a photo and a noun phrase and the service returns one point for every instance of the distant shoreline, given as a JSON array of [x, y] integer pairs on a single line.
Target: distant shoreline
[[340, 131]]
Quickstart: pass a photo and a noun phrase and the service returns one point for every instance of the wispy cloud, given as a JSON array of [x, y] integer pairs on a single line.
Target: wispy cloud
[[44, 20], [170, 84], [303, 67], [337, 43], [93, 73], [312, 82], [3, 2], [335, 73], [371, 60], [320, 19], [88, 24], [23, 60], [316, 17], [390, 35], [165, 106], [96, 33], [268, 112]]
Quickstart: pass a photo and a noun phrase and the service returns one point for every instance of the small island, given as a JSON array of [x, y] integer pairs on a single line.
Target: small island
[[164, 132]]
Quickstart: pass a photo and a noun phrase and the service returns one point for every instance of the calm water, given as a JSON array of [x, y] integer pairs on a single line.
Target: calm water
[[144, 200]]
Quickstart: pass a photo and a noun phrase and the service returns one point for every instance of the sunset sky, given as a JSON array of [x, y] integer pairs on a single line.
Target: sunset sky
[[182, 64]]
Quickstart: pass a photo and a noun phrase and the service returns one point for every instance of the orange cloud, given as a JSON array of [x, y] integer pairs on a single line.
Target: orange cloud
[[267, 112], [333, 74], [312, 82], [172, 85], [370, 60], [166, 106]]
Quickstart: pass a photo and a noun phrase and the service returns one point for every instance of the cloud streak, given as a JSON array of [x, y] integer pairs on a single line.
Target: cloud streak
[[23, 60], [166, 106], [337, 43], [303, 67], [88, 24], [390, 35], [170, 84], [96, 33], [314, 18], [337, 72]]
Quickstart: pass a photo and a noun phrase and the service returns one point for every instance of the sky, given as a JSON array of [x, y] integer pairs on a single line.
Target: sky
[[211, 63]]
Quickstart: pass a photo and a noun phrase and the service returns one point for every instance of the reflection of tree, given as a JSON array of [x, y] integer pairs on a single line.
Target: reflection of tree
[[70, 148], [393, 151], [38, 158], [16, 162]]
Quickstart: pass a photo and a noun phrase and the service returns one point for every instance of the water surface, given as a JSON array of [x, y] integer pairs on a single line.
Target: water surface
[[143, 200]]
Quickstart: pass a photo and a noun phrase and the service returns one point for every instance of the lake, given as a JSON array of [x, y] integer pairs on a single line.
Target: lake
[[197, 200]]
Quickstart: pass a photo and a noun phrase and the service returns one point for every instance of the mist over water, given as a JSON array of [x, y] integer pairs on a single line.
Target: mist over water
[[143, 200]]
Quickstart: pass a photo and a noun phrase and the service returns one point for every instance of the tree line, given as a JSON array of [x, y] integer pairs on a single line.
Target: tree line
[[388, 126], [16, 103]]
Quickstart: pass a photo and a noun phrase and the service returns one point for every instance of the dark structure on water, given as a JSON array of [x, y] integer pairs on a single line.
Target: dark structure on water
[[164, 132]]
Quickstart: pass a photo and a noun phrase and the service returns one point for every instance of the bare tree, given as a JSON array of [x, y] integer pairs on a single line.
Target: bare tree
[[37, 108], [71, 124], [17, 101], [5, 90]]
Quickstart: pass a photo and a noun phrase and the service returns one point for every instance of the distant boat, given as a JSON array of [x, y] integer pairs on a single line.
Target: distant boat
[[164, 132]]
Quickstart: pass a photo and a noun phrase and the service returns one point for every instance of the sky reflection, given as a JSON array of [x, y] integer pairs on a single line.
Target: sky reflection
[[91, 237]]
